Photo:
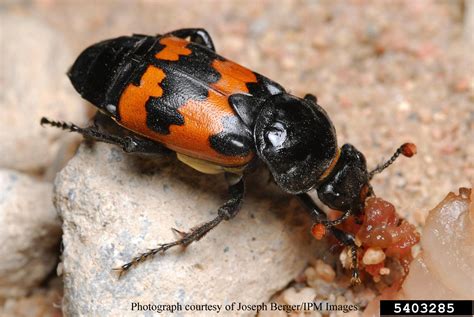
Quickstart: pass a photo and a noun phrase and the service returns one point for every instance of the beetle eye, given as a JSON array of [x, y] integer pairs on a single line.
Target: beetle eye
[[276, 134]]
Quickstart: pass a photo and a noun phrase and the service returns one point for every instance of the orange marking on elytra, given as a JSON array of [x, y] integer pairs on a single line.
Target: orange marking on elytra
[[174, 48], [202, 118], [193, 138], [233, 77], [132, 103]]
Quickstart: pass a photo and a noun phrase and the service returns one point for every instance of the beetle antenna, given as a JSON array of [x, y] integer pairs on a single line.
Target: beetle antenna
[[406, 149]]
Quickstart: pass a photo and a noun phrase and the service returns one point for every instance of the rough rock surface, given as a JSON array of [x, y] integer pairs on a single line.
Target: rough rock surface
[[44, 301], [33, 84], [115, 205], [29, 235]]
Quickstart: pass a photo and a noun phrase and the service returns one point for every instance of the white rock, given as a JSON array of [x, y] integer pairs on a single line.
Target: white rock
[[325, 271], [34, 61], [30, 233], [116, 205], [373, 256], [293, 297]]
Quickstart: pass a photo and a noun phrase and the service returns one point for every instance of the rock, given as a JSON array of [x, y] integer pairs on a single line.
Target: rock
[[293, 297], [41, 302], [115, 205], [30, 233], [33, 67], [324, 271]]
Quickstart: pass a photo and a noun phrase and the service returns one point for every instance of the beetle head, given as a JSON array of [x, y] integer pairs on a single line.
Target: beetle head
[[296, 140], [347, 186], [102, 70]]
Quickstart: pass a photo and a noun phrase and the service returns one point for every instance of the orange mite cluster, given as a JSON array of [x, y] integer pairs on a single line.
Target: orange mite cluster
[[382, 228], [379, 228], [318, 231]]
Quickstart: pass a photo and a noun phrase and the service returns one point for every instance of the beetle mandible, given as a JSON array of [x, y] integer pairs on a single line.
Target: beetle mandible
[[174, 92]]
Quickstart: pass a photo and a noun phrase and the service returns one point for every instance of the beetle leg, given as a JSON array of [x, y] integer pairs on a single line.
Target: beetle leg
[[199, 36], [226, 211], [348, 240], [319, 216], [128, 143]]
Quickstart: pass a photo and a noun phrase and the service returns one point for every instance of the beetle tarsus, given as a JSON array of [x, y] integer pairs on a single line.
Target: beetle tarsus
[[130, 144], [348, 240], [59, 124], [355, 280], [187, 239], [226, 211]]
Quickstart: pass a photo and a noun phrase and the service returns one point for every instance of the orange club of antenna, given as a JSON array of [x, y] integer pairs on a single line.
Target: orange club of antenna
[[408, 149]]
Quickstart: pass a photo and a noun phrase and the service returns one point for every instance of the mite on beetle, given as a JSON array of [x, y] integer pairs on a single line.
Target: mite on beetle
[[174, 92]]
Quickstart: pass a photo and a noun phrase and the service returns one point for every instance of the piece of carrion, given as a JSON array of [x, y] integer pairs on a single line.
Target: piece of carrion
[[385, 244]]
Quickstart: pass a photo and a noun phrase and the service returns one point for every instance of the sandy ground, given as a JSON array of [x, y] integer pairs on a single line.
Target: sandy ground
[[386, 72]]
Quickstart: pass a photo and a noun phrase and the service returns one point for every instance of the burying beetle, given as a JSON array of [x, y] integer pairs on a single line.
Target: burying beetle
[[171, 93]]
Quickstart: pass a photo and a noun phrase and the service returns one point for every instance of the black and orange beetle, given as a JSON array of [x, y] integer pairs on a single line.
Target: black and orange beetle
[[174, 92]]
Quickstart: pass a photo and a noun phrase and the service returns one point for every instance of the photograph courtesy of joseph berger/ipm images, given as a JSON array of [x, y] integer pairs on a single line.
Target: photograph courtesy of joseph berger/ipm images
[[236, 158]]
